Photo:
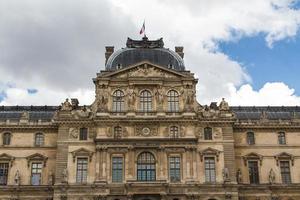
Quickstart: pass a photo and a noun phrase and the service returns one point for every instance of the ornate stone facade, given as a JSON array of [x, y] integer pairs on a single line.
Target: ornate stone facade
[[146, 137]]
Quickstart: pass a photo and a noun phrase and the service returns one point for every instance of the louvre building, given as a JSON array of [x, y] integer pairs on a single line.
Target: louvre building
[[145, 137]]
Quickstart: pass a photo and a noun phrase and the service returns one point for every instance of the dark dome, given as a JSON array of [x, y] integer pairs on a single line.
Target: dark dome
[[145, 50]]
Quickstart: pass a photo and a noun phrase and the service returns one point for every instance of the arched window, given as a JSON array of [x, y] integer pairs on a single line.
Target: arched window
[[39, 139], [118, 101], [145, 101], [146, 167], [117, 132], [6, 138], [174, 132], [207, 133], [173, 101]]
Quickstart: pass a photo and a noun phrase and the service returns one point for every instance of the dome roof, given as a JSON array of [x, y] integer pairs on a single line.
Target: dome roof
[[145, 50]]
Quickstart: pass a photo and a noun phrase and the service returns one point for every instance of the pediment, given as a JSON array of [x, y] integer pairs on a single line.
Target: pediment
[[210, 152], [252, 156], [37, 157], [83, 153], [5, 156], [284, 156], [144, 69]]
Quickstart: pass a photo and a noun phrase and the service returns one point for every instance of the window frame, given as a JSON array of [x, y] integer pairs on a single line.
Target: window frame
[[177, 170], [118, 101], [39, 136], [257, 177], [83, 136], [146, 169], [38, 171], [283, 174], [250, 138], [83, 177], [5, 141], [173, 101], [119, 170], [208, 135], [4, 172], [146, 101], [174, 132], [281, 138], [210, 170], [117, 132]]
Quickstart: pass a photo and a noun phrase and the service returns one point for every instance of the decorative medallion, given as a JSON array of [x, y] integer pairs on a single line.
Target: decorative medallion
[[146, 131]]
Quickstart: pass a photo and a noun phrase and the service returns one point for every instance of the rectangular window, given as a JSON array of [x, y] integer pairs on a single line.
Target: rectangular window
[[3, 173], [253, 172], [210, 170], [117, 169], [285, 172], [250, 138], [281, 138], [174, 166], [82, 167], [36, 173], [83, 134]]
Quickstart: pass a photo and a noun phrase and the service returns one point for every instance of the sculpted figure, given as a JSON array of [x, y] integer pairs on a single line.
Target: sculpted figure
[[65, 175], [223, 105], [271, 176], [225, 173], [160, 94], [239, 176], [102, 102], [66, 105], [131, 96], [17, 178]]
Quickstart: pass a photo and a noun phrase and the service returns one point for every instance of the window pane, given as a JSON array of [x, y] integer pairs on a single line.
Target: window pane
[[210, 170], [81, 175], [118, 101], [36, 173], [39, 139], [117, 132], [117, 169], [6, 138], [250, 138], [145, 101], [207, 133], [174, 166], [3, 173], [173, 101], [83, 133], [174, 132], [146, 167], [281, 138], [253, 172], [285, 172]]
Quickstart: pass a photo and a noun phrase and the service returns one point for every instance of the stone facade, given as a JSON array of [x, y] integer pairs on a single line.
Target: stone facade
[[146, 137]]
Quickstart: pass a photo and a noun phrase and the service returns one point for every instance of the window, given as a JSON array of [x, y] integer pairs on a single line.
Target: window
[[145, 101], [3, 173], [281, 138], [174, 132], [39, 139], [210, 169], [117, 132], [118, 101], [285, 172], [83, 133], [174, 167], [253, 172], [6, 138], [250, 138], [81, 175], [117, 169], [173, 101], [207, 133], [146, 167], [36, 173]]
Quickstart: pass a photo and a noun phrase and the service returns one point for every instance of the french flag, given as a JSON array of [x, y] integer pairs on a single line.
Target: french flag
[[142, 29]]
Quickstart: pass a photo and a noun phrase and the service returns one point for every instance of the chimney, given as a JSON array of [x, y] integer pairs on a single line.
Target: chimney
[[179, 50], [108, 51]]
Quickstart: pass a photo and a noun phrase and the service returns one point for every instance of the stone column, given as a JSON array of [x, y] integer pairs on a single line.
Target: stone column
[[97, 167]]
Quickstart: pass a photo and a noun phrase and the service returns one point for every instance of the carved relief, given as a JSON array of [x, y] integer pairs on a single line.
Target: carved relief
[[217, 133], [102, 98], [109, 132], [199, 132], [182, 131], [66, 106], [74, 133], [131, 97], [146, 131], [84, 112]]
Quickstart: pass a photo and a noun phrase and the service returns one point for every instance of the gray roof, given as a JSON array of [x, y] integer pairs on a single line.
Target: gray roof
[[144, 50]]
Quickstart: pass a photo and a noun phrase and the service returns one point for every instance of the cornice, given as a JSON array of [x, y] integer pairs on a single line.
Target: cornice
[[27, 127]]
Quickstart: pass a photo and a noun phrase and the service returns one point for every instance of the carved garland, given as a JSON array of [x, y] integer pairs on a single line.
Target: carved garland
[[37, 157], [284, 156], [210, 152], [82, 152]]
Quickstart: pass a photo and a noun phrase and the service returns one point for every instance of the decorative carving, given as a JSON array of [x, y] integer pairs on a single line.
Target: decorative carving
[[131, 97], [17, 178], [159, 94], [239, 177], [272, 176], [217, 133], [223, 105], [145, 43], [146, 131], [182, 131], [25, 115], [109, 132], [284, 156], [74, 133], [85, 112], [209, 152], [199, 132], [82, 152], [166, 132], [102, 98], [7, 158], [225, 173], [65, 175], [37, 157], [125, 132], [66, 106], [189, 96]]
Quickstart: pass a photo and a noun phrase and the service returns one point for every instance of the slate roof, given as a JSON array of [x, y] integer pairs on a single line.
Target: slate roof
[[46, 113]]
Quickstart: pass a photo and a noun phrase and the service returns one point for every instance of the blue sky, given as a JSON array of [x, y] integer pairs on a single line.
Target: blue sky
[[281, 63]]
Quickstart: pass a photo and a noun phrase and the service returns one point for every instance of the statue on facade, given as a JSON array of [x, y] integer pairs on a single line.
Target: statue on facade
[[271, 176], [239, 176], [66, 106], [225, 173], [65, 175], [131, 95], [102, 102], [224, 105], [17, 178], [25, 115], [160, 94]]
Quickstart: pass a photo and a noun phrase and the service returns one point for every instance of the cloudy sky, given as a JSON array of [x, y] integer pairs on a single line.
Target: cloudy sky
[[245, 52]]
